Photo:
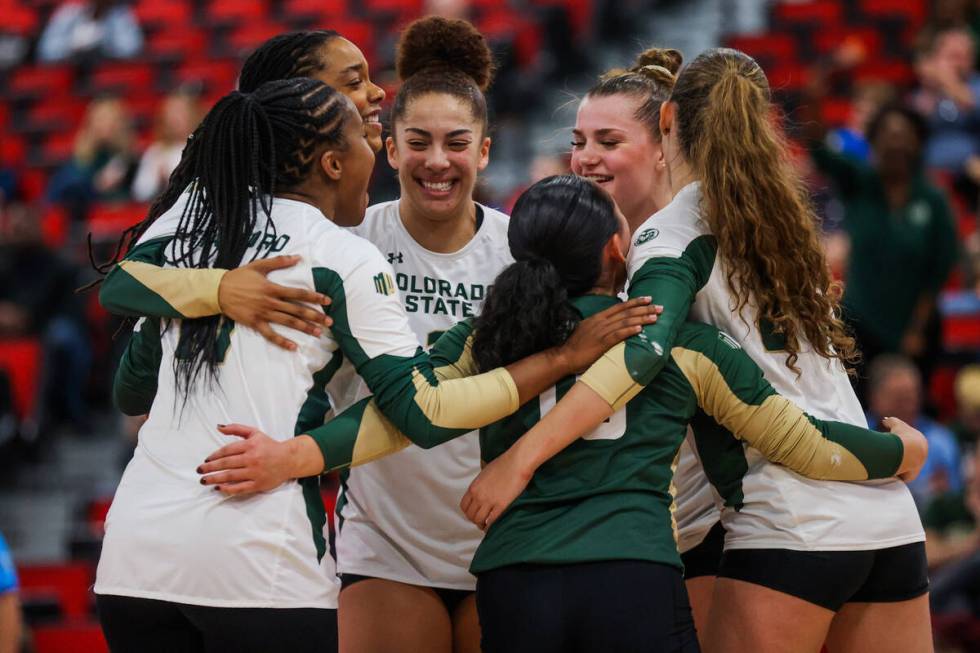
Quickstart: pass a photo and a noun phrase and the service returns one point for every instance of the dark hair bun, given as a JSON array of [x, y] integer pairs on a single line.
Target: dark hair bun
[[663, 57], [438, 43]]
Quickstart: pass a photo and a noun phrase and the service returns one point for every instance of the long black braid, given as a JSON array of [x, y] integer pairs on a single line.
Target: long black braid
[[249, 147]]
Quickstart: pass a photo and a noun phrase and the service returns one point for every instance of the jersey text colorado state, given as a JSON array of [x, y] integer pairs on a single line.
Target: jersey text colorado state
[[439, 296]]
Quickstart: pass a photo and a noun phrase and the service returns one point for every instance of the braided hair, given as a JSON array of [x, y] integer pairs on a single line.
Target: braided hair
[[295, 54], [249, 147]]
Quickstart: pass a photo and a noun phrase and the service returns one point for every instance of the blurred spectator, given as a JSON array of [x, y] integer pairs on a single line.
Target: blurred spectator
[[11, 626], [178, 116], [851, 140], [953, 543], [949, 98], [104, 161], [37, 301], [89, 30], [967, 389], [895, 390], [903, 242]]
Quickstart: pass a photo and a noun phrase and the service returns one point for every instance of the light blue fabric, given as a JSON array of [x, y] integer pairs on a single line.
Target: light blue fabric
[[954, 133], [8, 573]]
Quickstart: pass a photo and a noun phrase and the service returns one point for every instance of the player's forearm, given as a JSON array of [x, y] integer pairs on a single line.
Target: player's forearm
[[578, 413], [305, 457]]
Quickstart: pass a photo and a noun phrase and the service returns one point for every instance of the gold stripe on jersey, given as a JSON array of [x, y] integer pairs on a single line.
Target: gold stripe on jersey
[[464, 403], [191, 292], [376, 437], [462, 367], [776, 427], [609, 377]]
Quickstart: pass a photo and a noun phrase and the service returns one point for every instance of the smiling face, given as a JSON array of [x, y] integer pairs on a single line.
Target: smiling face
[[618, 152], [346, 70], [438, 148]]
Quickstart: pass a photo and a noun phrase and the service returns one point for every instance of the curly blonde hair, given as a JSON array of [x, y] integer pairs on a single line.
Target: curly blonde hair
[[756, 205]]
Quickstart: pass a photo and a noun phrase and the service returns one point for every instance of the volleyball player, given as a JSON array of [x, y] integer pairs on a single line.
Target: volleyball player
[[585, 560], [739, 242], [181, 568]]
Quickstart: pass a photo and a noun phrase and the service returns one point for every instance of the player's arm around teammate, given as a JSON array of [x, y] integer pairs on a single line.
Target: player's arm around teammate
[[138, 286]]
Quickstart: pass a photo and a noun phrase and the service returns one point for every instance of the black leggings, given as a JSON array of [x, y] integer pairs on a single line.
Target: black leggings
[[133, 625], [610, 606]]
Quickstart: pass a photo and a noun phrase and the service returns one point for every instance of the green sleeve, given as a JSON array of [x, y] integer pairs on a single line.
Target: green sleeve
[[672, 282], [138, 286], [135, 383], [362, 433], [732, 391], [845, 173]]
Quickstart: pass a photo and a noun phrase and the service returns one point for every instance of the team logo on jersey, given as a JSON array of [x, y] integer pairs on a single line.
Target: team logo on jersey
[[383, 284], [728, 340], [647, 235]]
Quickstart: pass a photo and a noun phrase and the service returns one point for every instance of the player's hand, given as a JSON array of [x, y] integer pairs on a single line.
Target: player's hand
[[248, 297], [595, 335], [255, 463], [915, 446], [493, 490]]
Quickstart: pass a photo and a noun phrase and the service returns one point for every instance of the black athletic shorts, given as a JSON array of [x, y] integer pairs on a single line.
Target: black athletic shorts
[[616, 606], [832, 578], [450, 598], [705, 558], [133, 625]]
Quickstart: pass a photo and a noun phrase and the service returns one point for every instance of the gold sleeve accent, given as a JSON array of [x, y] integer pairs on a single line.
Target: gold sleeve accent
[[463, 367], [610, 378], [777, 427], [192, 292], [376, 438], [469, 403]]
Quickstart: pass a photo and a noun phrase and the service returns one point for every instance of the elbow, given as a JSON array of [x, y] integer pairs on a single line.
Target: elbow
[[645, 362]]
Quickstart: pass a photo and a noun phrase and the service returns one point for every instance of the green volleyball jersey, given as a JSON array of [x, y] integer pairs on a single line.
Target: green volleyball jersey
[[607, 495]]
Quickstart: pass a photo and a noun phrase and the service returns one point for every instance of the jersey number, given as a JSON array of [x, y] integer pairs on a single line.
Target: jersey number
[[612, 429]]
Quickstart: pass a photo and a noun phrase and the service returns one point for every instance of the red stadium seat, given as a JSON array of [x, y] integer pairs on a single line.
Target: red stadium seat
[[57, 148], [912, 10], [771, 47], [21, 360], [899, 73], [54, 226], [251, 35], [13, 150], [32, 184], [409, 8], [73, 636], [123, 78], [326, 9], [220, 76], [56, 114], [160, 13], [70, 582], [178, 42], [108, 221], [828, 40], [19, 18], [836, 112], [237, 11], [822, 12], [33, 81]]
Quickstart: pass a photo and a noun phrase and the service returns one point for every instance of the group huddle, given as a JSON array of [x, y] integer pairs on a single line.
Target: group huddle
[[683, 470]]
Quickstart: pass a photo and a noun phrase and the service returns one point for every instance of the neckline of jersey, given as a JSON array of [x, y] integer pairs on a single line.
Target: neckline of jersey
[[462, 251]]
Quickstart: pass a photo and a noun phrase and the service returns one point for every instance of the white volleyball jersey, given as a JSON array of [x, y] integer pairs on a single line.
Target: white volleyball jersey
[[170, 538], [398, 518], [781, 509]]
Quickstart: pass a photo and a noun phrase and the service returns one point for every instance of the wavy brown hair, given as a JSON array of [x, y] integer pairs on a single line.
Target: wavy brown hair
[[756, 205]]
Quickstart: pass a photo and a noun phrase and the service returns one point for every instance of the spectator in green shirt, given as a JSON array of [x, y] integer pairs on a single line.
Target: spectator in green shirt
[[903, 242]]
